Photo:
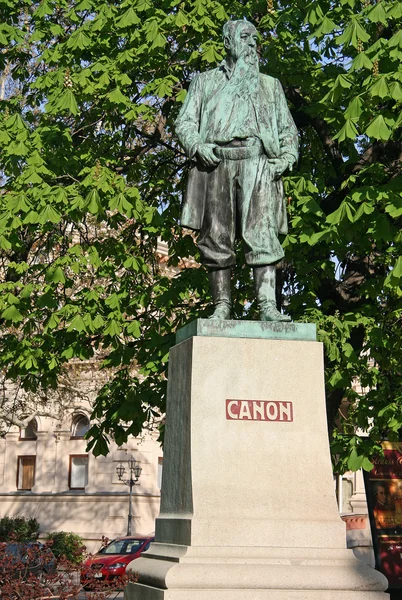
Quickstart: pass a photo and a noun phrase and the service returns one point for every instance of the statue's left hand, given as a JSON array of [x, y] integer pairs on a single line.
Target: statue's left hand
[[277, 167]]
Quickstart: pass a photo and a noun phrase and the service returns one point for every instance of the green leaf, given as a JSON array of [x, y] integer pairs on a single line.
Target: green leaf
[[377, 14], [336, 379], [181, 96], [378, 129], [77, 324], [397, 270], [53, 321], [15, 123], [31, 217], [43, 10], [68, 102], [56, 275], [380, 88], [98, 322], [352, 34], [396, 39], [355, 461], [361, 61], [316, 237], [364, 209], [18, 202], [53, 364], [94, 257], [84, 5], [12, 314], [133, 328], [394, 207], [354, 109], [395, 91], [128, 19], [112, 301], [117, 97], [164, 87], [326, 26], [93, 203], [11, 299], [113, 328], [344, 211], [18, 149], [159, 41], [314, 14], [78, 39], [49, 214], [348, 131], [367, 465], [395, 10], [4, 243], [181, 19], [211, 55], [396, 53], [121, 204], [343, 81]]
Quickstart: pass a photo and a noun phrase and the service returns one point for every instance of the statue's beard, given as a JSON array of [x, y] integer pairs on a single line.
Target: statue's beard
[[245, 75], [250, 56]]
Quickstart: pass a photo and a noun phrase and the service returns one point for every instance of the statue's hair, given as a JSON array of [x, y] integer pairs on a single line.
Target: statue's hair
[[230, 27]]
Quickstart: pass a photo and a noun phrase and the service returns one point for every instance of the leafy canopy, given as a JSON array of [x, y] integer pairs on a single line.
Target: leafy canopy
[[93, 176]]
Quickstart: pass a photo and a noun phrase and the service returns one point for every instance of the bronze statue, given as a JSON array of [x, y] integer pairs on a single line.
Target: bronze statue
[[236, 124]]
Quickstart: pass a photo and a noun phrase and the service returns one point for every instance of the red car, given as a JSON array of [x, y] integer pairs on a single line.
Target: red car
[[111, 561]]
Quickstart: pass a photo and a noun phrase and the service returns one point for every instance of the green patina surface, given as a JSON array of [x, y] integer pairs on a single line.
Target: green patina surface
[[236, 126], [248, 329]]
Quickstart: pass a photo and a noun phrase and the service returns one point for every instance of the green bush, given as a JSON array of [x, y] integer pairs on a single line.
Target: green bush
[[18, 529], [66, 544]]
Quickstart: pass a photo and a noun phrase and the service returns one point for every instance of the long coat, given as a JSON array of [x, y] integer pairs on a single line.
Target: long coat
[[277, 132]]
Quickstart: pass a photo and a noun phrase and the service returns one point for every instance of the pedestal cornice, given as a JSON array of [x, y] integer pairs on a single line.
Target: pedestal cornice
[[248, 329]]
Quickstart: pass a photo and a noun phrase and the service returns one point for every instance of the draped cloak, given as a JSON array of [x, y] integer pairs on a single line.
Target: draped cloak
[[196, 124]]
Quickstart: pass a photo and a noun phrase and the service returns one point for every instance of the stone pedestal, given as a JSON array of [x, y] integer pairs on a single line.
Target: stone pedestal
[[248, 509]]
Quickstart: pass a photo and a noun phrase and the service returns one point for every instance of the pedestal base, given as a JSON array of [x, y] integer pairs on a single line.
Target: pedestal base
[[170, 572], [248, 508]]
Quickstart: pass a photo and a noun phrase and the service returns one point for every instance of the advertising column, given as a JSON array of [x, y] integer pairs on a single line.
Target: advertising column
[[384, 499]]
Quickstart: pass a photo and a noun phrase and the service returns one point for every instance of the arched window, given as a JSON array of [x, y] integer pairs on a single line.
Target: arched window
[[80, 426], [29, 433]]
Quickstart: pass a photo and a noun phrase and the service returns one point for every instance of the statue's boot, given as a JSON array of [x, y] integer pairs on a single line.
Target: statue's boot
[[219, 281], [264, 282]]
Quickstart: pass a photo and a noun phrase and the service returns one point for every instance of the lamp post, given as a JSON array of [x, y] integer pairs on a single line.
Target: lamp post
[[135, 472]]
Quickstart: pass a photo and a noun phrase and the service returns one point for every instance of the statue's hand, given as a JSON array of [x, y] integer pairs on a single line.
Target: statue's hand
[[205, 153], [278, 166]]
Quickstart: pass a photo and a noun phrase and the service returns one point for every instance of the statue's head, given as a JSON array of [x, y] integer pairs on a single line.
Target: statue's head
[[240, 39]]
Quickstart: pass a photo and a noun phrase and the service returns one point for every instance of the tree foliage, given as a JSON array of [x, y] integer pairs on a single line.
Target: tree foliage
[[93, 178]]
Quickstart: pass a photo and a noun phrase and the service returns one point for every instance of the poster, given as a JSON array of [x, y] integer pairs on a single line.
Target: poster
[[384, 499]]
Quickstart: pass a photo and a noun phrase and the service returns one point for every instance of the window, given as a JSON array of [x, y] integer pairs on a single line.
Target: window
[[78, 475], [80, 426], [29, 433], [26, 472], [125, 546], [344, 493]]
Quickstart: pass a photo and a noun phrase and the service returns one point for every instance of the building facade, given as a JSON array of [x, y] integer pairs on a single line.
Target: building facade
[[47, 473]]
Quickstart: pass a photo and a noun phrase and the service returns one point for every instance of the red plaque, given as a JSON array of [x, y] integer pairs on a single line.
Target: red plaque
[[259, 410]]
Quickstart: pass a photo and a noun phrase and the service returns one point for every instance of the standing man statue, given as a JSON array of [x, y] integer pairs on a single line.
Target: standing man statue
[[236, 124]]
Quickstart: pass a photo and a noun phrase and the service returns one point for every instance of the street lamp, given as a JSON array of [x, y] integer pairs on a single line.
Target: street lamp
[[135, 472]]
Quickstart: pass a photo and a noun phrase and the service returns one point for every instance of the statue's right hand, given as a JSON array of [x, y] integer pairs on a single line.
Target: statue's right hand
[[205, 152]]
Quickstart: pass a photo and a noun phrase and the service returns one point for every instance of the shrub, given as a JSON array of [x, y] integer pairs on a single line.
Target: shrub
[[66, 544], [18, 529]]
